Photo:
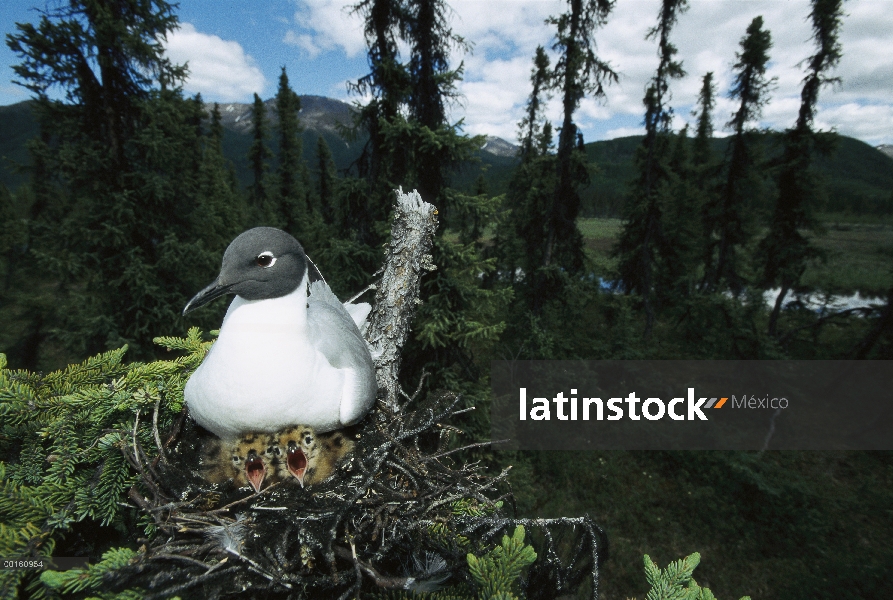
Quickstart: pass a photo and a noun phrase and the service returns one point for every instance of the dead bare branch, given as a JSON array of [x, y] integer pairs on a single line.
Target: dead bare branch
[[412, 233]]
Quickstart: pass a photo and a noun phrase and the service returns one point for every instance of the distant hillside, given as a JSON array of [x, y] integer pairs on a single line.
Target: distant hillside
[[318, 117], [859, 177]]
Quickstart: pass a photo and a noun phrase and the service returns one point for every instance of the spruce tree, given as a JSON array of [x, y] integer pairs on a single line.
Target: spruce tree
[[258, 155], [61, 52], [117, 144], [15, 276], [459, 319], [433, 86], [358, 207], [522, 239], [703, 153], [43, 181], [327, 180], [387, 82], [785, 251], [422, 138], [644, 240], [8, 235], [383, 163], [730, 215], [29, 282], [706, 167], [531, 125], [683, 248], [579, 71], [292, 204], [219, 207]]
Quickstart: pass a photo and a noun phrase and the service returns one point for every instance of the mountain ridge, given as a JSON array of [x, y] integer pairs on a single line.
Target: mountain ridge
[[319, 116], [317, 112]]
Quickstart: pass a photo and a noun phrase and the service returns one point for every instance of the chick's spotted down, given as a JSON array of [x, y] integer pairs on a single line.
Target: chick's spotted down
[[288, 350], [310, 457], [249, 460], [297, 452], [333, 447]]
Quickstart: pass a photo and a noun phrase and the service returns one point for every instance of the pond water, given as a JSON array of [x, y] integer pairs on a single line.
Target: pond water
[[819, 302], [822, 302]]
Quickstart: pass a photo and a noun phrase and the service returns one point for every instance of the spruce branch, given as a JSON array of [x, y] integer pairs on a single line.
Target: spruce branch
[[676, 581]]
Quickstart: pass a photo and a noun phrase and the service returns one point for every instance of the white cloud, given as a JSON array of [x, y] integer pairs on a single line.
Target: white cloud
[[866, 68], [304, 42], [327, 25], [870, 123], [218, 69], [498, 26], [624, 132], [708, 36], [505, 34], [493, 91]]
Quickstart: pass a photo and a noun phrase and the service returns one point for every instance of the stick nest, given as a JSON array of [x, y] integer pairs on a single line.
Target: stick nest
[[400, 513]]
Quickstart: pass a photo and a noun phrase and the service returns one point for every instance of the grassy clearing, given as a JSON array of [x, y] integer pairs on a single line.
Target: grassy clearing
[[599, 236], [859, 255], [830, 219], [600, 229]]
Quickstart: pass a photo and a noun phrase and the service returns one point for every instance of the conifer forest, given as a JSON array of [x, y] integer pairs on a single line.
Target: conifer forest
[[699, 246]]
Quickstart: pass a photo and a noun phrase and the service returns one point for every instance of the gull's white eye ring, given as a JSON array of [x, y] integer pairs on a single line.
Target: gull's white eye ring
[[265, 260]]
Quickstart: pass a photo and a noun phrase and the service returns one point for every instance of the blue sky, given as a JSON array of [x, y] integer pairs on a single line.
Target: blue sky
[[237, 48]]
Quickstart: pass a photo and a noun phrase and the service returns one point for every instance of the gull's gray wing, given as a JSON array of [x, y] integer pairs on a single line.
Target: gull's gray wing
[[333, 332]]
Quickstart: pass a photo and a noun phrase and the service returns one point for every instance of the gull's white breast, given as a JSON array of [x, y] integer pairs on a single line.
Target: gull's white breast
[[263, 374]]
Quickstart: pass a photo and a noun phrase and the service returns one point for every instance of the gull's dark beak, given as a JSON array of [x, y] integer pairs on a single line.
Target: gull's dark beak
[[213, 291]]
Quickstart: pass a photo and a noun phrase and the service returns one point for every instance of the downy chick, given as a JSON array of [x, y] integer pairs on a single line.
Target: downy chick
[[310, 457], [332, 448], [248, 460], [217, 465], [296, 451]]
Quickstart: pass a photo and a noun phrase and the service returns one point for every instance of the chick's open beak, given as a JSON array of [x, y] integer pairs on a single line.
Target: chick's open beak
[[255, 470], [297, 463]]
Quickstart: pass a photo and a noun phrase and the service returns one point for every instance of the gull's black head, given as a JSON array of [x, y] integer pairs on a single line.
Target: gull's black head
[[261, 263]]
